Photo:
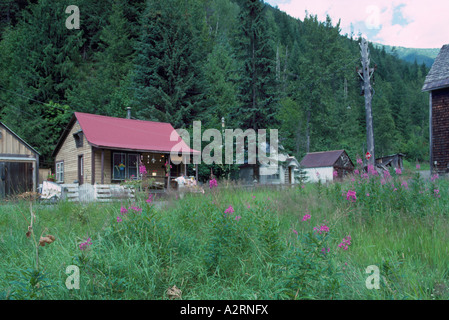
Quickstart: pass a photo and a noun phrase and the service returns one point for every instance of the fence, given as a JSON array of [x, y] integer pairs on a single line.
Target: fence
[[96, 192]]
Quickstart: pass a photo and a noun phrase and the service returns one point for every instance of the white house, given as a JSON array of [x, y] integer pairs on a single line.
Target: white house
[[322, 165]]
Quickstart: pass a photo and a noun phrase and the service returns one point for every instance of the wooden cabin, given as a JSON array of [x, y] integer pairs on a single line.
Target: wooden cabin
[[97, 149], [19, 163], [321, 165], [437, 84]]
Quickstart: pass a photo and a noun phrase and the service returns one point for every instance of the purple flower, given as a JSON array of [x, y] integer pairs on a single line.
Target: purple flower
[[119, 219], [230, 209], [238, 218], [359, 161], [295, 232], [213, 183], [398, 171], [434, 177], [418, 166], [351, 196], [306, 217], [150, 198], [123, 210]]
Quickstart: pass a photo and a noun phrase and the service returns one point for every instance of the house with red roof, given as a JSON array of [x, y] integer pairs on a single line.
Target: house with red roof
[[96, 149]]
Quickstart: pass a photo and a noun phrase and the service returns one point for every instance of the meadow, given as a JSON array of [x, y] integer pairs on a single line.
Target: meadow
[[311, 241]]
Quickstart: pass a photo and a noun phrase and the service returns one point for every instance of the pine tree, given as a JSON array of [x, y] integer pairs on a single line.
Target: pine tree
[[168, 75]]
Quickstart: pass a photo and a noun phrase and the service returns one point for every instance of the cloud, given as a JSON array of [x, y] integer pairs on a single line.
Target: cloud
[[407, 23]]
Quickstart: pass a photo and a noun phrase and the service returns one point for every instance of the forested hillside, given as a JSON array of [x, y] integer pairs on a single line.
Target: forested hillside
[[179, 61]]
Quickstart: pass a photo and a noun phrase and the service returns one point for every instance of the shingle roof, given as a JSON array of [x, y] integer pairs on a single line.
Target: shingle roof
[[321, 159], [438, 76]]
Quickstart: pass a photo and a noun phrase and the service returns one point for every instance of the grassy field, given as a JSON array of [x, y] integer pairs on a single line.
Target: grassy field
[[313, 241]]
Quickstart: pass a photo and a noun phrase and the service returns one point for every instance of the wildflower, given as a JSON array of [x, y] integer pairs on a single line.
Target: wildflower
[[345, 243], [359, 161], [436, 193], [335, 174], [230, 209], [142, 169], [150, 198], [356, 171], [367, 194], [119, 219], [325, 250], [321, 229], [352, 180], [434, 177], [295, 232], [398, 171], [404, 184], [387, 174], [364, 175], [303, 186], [213, 183], [123, 210], [351, 196], [418, 166], [383, 181], [249, 207], [86, 244], [238, 218], [254, 197], [306, 217], [137, 209]]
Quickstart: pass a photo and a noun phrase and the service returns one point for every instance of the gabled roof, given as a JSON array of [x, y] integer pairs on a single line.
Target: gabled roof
[[321, 159], [127, 134], [19, 138], [438, 76]]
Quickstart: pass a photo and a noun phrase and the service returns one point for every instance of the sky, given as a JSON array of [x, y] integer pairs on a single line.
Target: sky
[[402, 23]]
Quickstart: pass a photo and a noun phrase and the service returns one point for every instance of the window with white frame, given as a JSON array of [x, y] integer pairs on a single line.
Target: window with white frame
[[60, 172]]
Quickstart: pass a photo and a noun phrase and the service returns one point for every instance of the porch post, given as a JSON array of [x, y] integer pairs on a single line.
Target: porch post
[[102, 166], [169, 171], [92, 166], [196, 173]]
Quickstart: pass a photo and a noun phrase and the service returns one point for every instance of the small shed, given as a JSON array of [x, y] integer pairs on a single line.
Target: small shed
[[19, 163], [321, 165], [437, 84], [395, 161]]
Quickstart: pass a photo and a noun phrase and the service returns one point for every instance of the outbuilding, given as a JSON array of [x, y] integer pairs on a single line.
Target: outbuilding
[[19, 164], [437, 84], [320, 166]]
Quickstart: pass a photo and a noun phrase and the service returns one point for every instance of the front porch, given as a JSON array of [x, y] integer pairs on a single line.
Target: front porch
[[117, 166]]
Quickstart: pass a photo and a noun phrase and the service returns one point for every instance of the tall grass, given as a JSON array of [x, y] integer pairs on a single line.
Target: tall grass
[[261, 249]]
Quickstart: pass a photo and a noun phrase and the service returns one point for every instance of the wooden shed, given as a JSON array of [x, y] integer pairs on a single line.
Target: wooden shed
[[19, 163], [437, 84], [321, 165]]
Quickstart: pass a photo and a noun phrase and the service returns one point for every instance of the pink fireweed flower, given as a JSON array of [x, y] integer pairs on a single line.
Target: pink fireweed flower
[[387, 174], [335, 174], [295, 232], [345, 243], [404, 184], [398, 171], [238, 218], [356, 171], [436, 193], [230, 209], [359, 161], [86, 244], [325, 250], [367, 194], [249, 207], [123, 210], [306, 217], [352, 180], [351, 196], [383, 181], [303, 186], [119, 219], [142, 169], [434, 177], [418, 166], [137, 209], [213, 183], [364, 175], [150, 198], [321, 229]]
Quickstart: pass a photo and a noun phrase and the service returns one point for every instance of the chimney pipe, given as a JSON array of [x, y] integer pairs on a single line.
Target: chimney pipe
[[128, 113]]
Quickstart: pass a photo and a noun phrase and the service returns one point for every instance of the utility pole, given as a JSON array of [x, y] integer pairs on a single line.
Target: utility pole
[[366, 74]]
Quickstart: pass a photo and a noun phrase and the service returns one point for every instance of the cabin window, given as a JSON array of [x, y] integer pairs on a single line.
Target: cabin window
[[125, 166], [78, 139], [60, 172]]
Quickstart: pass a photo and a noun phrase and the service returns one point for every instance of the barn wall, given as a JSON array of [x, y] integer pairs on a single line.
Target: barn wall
[[440, 129], [69, 154], [9, 144], [325, 174]]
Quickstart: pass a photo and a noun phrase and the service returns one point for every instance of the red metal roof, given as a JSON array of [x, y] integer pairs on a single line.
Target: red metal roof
[[130, 134], [321, 159]]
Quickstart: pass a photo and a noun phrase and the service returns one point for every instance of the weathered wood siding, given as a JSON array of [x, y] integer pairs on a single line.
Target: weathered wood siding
[[440, 129], [107, 166], [9, 144], [69, 154]]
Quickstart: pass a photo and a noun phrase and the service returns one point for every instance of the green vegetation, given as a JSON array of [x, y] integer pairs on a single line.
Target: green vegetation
[[308, 242], [180, 61]]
